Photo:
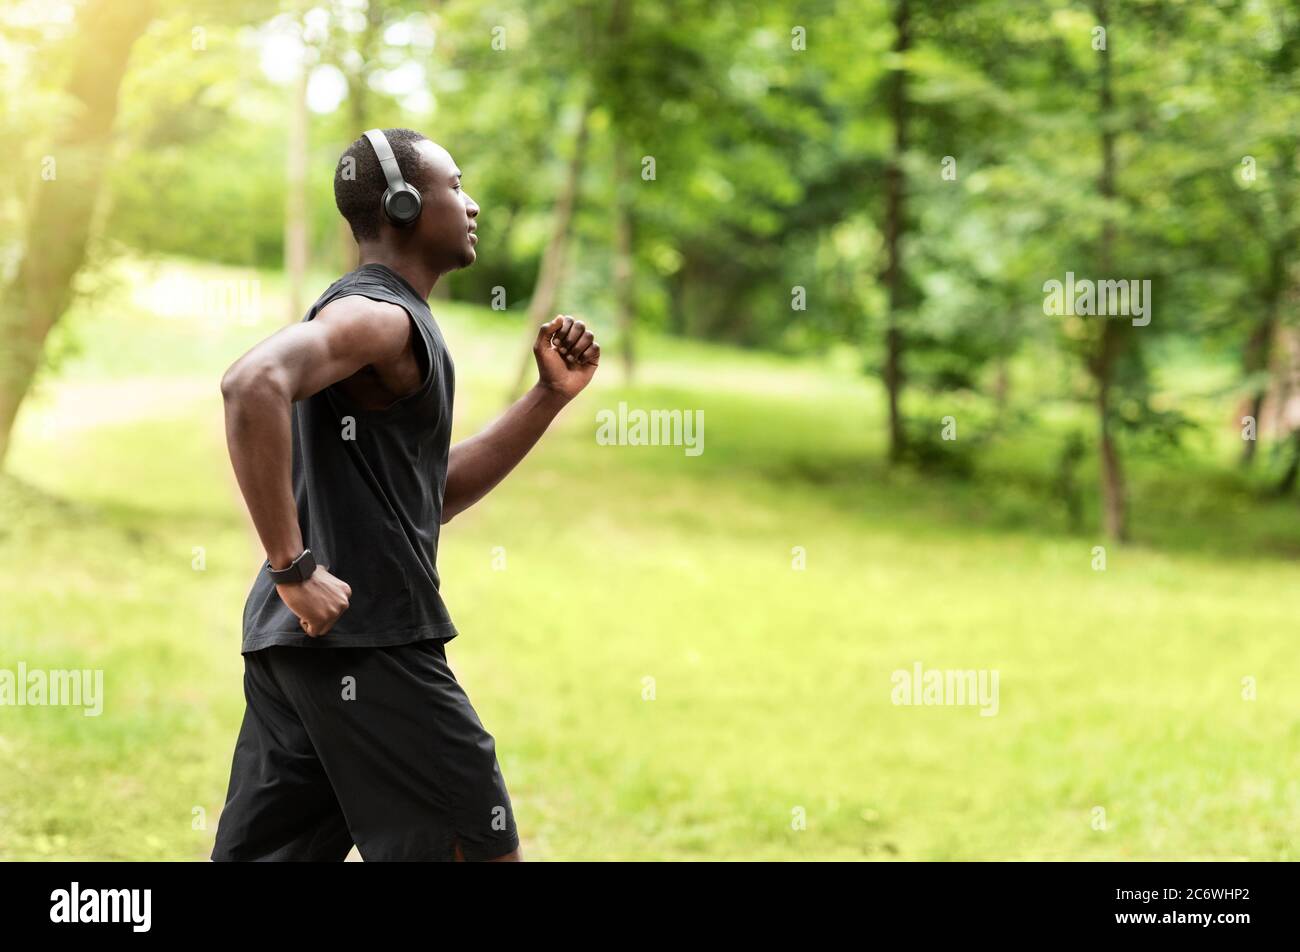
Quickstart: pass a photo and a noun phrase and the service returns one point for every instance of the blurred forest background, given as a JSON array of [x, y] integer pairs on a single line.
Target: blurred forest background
[[829, 226]]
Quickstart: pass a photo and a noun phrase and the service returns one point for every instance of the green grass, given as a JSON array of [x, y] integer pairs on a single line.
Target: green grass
[[1119, 689]]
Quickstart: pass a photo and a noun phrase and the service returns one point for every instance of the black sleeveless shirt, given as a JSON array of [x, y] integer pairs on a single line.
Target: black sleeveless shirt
[[369, 484]]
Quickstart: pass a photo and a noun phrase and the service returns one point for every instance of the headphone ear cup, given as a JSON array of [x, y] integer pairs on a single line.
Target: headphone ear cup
[[402, 205]]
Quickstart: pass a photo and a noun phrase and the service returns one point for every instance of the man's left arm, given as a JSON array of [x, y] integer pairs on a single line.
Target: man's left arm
[[567, 356]]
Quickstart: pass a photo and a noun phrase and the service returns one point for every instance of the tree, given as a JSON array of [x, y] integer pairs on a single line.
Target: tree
[[553, 258], [62, 209], [295, 192], [1112, 335], [895, 198]]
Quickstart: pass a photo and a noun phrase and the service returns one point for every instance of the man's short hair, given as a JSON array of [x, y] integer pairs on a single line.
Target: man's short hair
[[359, 182]]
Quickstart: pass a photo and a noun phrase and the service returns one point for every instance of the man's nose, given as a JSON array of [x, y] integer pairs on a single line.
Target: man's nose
[[471, 207]]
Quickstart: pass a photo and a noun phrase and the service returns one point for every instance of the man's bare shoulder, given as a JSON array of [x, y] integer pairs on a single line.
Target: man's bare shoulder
[[375, 327], [358, 307]]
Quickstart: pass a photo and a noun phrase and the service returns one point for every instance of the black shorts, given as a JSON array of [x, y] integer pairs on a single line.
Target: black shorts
[[373, 746]]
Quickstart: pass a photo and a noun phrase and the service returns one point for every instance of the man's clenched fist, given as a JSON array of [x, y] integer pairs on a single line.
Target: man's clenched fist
[[318, 602], [567, 355]]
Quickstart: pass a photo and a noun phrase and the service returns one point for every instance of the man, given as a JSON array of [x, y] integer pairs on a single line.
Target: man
[[355, 729]]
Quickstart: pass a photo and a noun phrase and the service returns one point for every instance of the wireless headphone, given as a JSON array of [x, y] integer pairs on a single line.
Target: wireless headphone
[[401, 202]]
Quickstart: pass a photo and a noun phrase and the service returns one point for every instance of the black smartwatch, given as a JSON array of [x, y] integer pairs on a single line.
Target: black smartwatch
[[299, 570]]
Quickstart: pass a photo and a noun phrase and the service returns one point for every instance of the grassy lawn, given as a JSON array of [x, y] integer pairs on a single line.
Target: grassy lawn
[[1119, 689]]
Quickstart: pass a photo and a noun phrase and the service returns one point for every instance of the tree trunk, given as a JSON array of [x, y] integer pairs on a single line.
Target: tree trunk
[[359, 108], [1254, 361], [1254, 405], [895, 185], [1112, 473], [624, 261], [1259, 346], [62, 206], [1111, 344], [1286, 412], [295, 210], [552, 266]]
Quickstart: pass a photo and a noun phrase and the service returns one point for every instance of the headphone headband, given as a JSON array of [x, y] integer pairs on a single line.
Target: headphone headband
[[387, 161], [401, 202]]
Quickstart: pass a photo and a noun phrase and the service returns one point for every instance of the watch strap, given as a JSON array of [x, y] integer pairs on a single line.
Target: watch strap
[[299, 570]]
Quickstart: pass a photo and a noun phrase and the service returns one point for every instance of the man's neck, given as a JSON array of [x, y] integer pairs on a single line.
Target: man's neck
[[416, 273]]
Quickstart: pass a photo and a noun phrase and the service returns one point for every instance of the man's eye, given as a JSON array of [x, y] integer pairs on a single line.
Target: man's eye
[[456, 186]]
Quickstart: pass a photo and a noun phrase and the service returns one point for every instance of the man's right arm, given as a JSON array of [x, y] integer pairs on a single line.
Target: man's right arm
[[259, 389]]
